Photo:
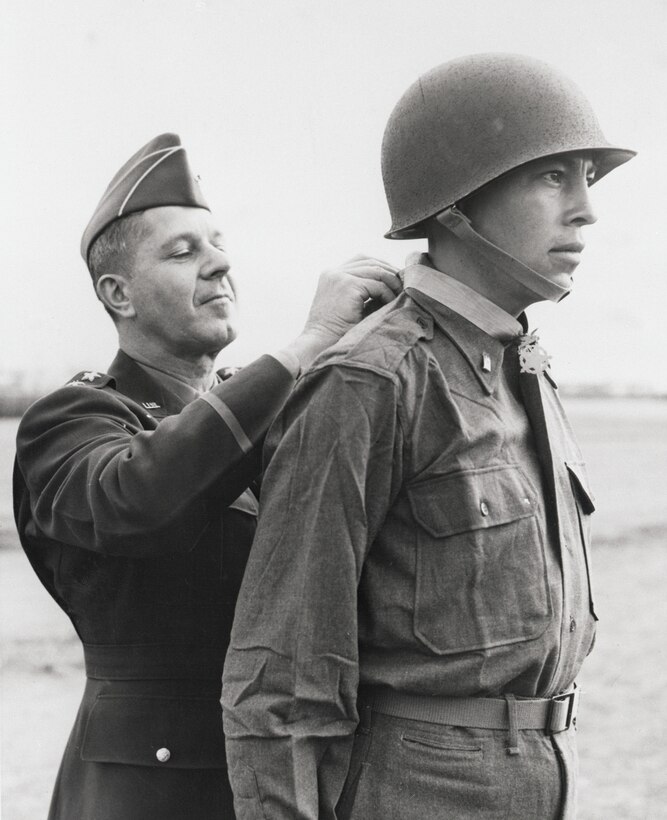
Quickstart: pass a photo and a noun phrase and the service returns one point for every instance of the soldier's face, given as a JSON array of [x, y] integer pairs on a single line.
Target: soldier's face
[[180, 289], [536, 213]]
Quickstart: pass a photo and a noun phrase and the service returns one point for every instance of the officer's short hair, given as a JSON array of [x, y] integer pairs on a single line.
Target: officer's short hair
[[114, 249]]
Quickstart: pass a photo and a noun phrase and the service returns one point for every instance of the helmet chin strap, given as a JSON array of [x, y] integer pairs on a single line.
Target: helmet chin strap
[[458, 223]]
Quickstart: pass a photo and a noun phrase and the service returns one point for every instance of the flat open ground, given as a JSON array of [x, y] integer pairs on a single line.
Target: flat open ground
[[622, 733]]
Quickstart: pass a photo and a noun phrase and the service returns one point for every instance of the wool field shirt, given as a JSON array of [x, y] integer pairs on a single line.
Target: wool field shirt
[[424, 527]]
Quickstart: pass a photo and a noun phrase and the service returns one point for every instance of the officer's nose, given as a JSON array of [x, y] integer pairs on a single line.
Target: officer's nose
[[216, 263]]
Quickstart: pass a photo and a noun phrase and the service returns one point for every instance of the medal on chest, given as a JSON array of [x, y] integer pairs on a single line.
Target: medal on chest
[[533, 358]]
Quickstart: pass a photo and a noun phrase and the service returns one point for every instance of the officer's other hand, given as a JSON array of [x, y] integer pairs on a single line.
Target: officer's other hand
[[345, 294]]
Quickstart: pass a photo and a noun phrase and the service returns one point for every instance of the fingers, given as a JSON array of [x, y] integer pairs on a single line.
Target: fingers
[[362, 259], [345, 294], [367, 267], [388, 277], [369, 261], [377, 290]]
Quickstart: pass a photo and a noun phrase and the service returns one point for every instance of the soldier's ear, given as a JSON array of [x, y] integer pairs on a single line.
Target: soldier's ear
[[114, 292]]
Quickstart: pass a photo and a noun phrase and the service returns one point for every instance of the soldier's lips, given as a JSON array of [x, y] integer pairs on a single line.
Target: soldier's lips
[[569, 246], [570, 254]]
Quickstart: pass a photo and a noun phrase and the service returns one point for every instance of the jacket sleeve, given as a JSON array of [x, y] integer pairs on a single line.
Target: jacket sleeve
[[291, 675], [96, 478]]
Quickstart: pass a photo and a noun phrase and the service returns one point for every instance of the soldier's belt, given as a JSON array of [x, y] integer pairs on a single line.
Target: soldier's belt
[[552, 715]]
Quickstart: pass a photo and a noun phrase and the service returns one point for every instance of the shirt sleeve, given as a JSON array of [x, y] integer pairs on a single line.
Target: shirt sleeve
[[291, 675], [96, 478]]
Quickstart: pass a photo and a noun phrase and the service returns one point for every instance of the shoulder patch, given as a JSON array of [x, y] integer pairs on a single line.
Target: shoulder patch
[[91, 378]]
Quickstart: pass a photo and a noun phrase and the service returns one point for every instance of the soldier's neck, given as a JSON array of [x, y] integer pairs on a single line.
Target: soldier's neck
[[454, 257]]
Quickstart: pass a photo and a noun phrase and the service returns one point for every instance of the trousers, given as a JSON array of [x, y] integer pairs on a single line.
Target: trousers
[[405, 769]]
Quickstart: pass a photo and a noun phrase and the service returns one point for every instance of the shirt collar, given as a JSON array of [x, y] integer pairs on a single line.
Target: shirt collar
[[420, 275]]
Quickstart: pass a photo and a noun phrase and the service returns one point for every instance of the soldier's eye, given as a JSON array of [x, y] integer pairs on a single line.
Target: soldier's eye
[[555, 177]]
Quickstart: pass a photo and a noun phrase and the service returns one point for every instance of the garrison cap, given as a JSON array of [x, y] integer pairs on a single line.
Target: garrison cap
[[158, 174]]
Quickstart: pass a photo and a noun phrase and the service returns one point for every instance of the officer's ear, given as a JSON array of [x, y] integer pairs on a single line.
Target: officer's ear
[[114, 293]]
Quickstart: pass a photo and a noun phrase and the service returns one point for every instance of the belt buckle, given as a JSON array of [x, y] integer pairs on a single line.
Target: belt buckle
[[572, 700]]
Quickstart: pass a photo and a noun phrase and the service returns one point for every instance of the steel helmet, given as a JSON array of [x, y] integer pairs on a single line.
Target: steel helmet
[[470, 120]]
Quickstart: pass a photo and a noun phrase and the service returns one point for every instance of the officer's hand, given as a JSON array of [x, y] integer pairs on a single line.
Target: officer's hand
[[345, 295]]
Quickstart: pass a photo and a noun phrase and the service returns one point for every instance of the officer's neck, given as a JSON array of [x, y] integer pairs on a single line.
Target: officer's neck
[[194, 369]]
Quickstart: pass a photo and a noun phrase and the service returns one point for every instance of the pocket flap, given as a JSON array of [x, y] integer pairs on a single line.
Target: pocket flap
[[472, 500], [179, 733], [581, 487]]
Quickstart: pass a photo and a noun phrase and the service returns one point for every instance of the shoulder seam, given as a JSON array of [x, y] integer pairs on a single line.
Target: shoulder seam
[[356, 365]]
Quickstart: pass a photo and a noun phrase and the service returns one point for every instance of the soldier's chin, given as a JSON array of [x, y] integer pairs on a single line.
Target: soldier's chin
[[562, 278]]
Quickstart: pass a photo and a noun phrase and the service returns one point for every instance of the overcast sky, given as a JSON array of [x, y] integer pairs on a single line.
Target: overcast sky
[[282, 105]]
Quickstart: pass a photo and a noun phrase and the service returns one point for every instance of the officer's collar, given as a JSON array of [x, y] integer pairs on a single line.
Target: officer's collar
[[145, 387]]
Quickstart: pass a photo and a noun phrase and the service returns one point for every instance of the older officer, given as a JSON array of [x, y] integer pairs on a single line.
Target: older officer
[[421, 573], [132, 499]]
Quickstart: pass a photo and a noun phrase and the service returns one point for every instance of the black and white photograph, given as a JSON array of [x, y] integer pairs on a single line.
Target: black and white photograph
[[333, 410]]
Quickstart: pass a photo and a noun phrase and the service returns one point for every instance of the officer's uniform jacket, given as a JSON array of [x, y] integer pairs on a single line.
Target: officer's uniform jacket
[[418, 533], [134, 511]]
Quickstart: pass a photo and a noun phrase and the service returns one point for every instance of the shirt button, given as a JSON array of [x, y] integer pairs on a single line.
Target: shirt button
[[526, 501], [573, 624], [163, 755], [484, 508]]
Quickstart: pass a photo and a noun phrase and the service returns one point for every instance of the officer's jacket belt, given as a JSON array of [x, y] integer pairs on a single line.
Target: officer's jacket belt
[[153, 662]]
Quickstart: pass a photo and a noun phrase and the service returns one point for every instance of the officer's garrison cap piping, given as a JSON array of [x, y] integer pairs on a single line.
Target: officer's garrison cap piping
[[145, 181], [167, 153]]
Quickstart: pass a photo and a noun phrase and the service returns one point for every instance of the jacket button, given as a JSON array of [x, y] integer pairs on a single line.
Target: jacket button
[[484, 508], [163, 755]]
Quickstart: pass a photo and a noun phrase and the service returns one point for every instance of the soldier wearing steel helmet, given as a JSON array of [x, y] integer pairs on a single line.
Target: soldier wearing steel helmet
[[418, 602], [133, 492]]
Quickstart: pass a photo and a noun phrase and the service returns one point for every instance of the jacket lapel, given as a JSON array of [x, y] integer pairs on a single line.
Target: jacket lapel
[[137, 384]]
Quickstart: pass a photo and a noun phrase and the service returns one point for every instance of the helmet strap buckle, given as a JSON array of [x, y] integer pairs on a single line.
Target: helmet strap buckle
[[454, 220]]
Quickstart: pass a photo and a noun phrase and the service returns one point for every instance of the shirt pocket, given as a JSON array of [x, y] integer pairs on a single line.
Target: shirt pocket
[[481, 574], [145, 730], [585, 507]]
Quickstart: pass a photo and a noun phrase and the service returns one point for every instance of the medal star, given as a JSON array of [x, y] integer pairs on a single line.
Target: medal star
[[533, 358], [90, 376]]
